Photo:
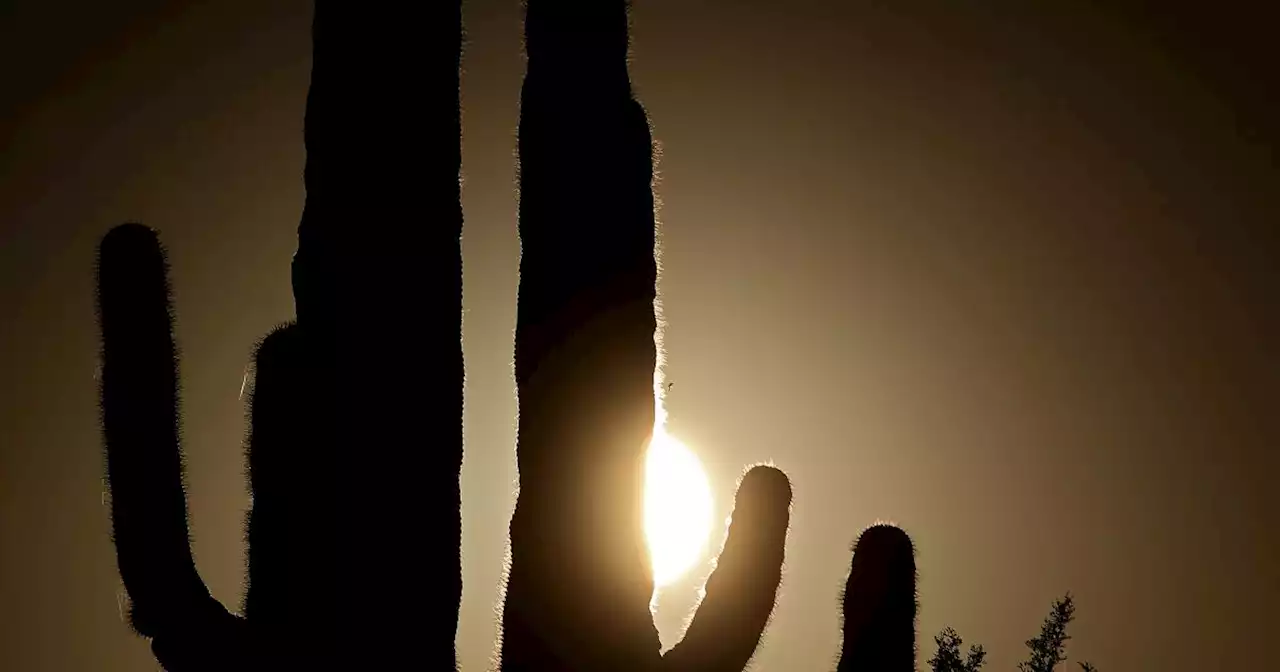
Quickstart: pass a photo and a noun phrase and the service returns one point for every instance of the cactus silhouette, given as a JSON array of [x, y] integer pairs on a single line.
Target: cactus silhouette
[[355, 444], [356, 439]]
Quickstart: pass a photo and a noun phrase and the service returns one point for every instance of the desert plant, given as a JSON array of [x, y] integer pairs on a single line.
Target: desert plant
[[948, 658], [355, 445], [1049, 648]]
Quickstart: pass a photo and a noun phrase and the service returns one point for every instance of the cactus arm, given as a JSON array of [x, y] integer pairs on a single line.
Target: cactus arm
[[286, 586], [274, 413], [740, 593], [879, 603], [139, 397]]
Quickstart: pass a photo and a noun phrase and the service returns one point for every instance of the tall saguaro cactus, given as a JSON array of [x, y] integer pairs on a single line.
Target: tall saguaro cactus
[[579, 584], [578, 589], [356, 443], [356, 446]]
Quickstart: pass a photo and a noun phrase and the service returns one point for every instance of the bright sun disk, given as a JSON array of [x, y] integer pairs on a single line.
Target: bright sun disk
[[677, 507]]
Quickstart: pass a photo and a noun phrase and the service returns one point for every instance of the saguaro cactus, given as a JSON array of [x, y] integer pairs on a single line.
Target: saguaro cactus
[[579, 586], [356, 445], [578, 589]]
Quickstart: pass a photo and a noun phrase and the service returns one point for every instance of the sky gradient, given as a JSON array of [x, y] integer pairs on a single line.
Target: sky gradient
[[1004, 276]]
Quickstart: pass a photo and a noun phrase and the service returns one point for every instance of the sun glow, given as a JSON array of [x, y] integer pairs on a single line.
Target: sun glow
[[677, 507]]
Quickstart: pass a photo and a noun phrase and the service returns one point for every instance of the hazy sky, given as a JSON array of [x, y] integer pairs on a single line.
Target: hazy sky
[[1005, 276]]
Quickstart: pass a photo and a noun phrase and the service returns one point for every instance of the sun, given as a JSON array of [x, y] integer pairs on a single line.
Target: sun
[[677, 507]]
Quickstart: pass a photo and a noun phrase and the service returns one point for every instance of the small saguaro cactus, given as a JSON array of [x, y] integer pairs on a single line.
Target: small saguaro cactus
[[355, 444]]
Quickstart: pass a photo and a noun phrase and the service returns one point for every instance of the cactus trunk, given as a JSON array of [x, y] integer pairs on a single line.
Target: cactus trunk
[[584, 352]]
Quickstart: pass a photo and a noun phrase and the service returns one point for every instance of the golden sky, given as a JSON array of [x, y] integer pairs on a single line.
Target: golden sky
[[1005, 276]]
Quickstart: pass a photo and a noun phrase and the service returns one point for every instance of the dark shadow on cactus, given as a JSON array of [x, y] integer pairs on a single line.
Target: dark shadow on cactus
[[356, 445]]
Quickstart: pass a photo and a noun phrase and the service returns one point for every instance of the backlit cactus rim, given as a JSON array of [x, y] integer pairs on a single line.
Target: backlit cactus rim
[[354, 532]]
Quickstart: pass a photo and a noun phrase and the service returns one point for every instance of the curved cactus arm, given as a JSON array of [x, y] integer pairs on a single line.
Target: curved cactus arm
[[741, 592], [139, 397], [879, 603]]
